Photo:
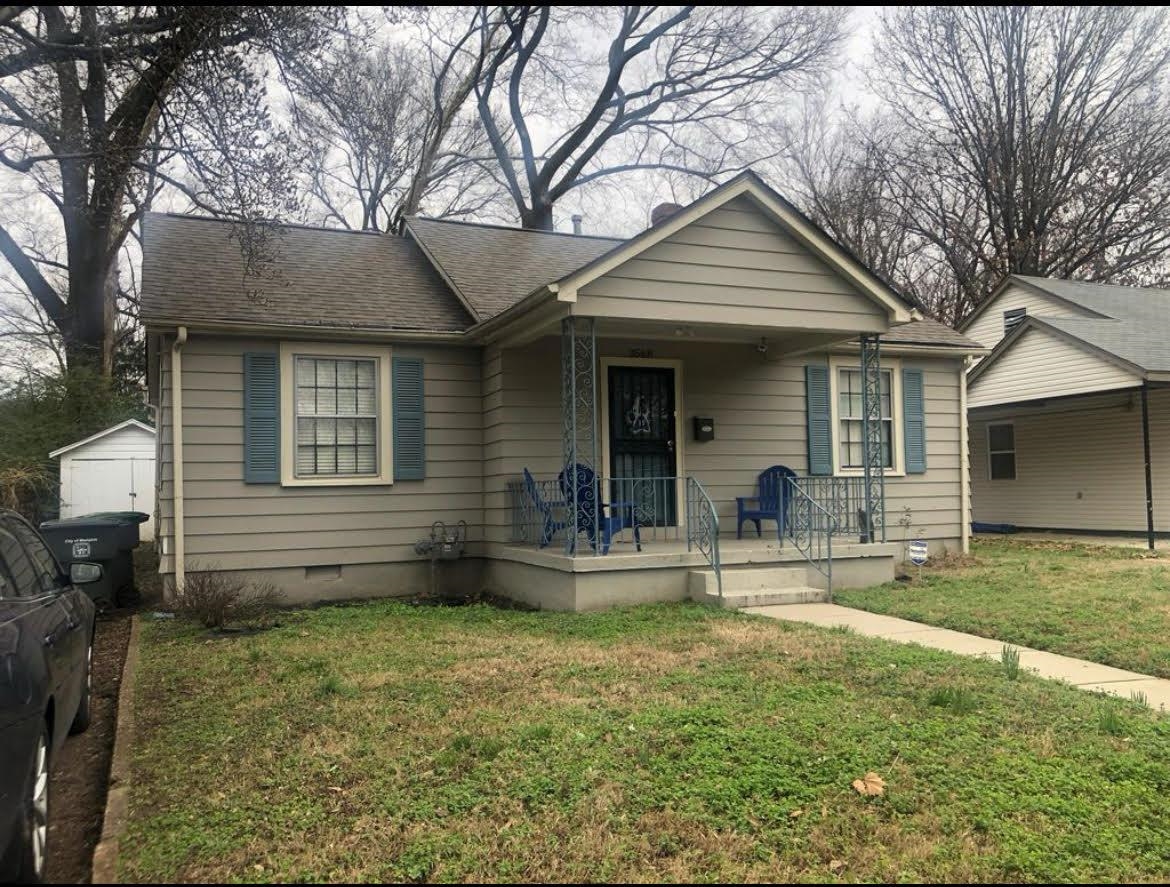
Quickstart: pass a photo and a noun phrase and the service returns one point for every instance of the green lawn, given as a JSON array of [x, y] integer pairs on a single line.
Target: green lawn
[[390, 742], [1108, 604]]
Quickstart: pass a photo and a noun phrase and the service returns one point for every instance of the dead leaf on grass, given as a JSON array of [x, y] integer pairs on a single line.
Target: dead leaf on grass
[[870, 784], [835, 865]]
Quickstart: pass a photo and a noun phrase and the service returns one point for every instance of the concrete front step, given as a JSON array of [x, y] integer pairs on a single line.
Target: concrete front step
[[700, 582], [763, 587], [738, 600]]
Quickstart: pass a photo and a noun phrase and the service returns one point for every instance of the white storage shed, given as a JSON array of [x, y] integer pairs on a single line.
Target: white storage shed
[[112, 470]]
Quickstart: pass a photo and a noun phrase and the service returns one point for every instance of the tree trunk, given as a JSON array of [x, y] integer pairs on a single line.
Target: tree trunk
[[538, 218], [89, 342]]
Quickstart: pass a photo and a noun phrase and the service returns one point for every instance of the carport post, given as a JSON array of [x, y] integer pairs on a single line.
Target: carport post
[[1149, 479]]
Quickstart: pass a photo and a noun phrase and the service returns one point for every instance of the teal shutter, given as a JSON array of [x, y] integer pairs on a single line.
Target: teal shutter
[[818, 406], [914, 421], [410, 450], [261, 417]]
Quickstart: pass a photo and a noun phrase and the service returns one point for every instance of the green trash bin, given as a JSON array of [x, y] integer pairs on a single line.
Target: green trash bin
[[107, 538]]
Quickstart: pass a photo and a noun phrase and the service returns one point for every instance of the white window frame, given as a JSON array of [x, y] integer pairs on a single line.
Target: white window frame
[[897, 431], [289, 352], [1014, 451]]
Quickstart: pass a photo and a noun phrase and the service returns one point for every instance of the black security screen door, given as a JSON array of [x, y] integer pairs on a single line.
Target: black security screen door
[[641, 442]]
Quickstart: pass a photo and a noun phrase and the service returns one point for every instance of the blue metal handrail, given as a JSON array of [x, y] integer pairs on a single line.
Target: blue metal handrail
[[703, 528], [810, 526]]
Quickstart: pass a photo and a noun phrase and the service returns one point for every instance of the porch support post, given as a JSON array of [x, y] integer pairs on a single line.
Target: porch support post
[[871, 439], [1149, 476], [579, 432]]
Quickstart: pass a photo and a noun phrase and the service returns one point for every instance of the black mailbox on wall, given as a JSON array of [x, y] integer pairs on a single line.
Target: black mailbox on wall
[[704, 428]]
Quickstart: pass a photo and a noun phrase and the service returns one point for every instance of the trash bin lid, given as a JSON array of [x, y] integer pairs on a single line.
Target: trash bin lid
[[99, 519], [123, 517]]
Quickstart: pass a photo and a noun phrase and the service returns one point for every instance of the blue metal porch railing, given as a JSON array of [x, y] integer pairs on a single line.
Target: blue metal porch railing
[[703, 528], [810, 527]]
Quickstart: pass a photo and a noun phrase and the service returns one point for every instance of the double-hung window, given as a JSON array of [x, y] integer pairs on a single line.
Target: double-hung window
[[337, 417], [1001, 451], [850, 438], [335, 414]]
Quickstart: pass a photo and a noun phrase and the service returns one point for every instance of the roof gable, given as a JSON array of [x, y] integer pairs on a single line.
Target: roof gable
[[1037, 360], [113, 429], [788, 219]]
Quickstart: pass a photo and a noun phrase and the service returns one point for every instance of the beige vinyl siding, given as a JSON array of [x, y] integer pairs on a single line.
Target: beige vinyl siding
[[758, 405], [1043, 364], [247, 526], [987, 329], [734, 265], [521, 424], [1078, 467]]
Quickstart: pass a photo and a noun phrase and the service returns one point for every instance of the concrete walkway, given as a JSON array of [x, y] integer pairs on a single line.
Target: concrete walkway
[[1081, 674]]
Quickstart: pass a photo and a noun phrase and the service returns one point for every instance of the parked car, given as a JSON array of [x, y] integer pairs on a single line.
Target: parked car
[[46, 653]]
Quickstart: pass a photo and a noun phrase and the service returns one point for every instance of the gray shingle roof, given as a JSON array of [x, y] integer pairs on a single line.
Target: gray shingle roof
[[193, 270], [928, 332], [1135, 323], [495, 267]]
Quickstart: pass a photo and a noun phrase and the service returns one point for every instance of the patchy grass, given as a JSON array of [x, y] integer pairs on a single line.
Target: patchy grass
[[1107, 604], [384, 742]]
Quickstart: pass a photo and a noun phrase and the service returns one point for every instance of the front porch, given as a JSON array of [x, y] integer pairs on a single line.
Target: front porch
[[666, 435]]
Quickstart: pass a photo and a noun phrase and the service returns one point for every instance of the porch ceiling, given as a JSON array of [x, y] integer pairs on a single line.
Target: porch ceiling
[[780, 339]]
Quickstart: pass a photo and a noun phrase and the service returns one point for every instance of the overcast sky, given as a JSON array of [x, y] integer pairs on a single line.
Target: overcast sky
[[622, 208]]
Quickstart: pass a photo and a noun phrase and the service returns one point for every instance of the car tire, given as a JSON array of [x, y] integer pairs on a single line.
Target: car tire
[[84, 710], [27, 851]]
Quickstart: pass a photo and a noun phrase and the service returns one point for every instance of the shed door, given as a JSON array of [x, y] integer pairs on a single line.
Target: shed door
[[111, 485]]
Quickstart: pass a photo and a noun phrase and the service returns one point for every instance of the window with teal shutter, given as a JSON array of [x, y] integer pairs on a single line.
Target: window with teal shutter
[[410, 457], [914, 420], [818, 406], [261, 417]]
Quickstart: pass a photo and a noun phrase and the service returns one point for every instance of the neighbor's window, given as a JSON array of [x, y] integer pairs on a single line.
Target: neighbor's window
[[1001, 450], [336, 417], [849, 415]]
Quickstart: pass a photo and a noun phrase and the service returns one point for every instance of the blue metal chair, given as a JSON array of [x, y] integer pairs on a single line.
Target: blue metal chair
[[773, 501], [589, 517], [545, 509]]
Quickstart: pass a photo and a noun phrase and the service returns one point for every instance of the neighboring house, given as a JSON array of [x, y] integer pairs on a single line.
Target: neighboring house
[[112, 470], [1069, 414], [363, 386]]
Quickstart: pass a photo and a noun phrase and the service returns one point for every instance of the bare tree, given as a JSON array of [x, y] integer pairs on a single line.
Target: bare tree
[[1023, 139], [100, 106], [685, 89], [386, 128]]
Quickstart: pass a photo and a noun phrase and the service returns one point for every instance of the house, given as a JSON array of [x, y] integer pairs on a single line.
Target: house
[[112, 470], [1069, 413], [318, 417]]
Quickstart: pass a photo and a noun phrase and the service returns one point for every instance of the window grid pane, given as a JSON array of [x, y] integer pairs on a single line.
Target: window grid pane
[[851, 447], [336, 417]]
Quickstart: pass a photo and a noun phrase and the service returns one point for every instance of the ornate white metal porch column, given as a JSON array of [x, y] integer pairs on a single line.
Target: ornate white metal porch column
[[871, 438], [579, 425]]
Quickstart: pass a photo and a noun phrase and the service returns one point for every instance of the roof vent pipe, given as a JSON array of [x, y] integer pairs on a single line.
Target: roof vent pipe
[[577, 220]]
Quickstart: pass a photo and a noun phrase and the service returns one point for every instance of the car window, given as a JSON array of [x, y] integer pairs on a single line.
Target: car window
[[45, 565], [24, 577]]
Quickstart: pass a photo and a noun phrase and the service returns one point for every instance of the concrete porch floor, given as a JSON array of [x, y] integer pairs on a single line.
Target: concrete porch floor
[[660, 553]]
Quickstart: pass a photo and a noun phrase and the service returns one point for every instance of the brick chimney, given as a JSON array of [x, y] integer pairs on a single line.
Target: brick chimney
[[662, 212]]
